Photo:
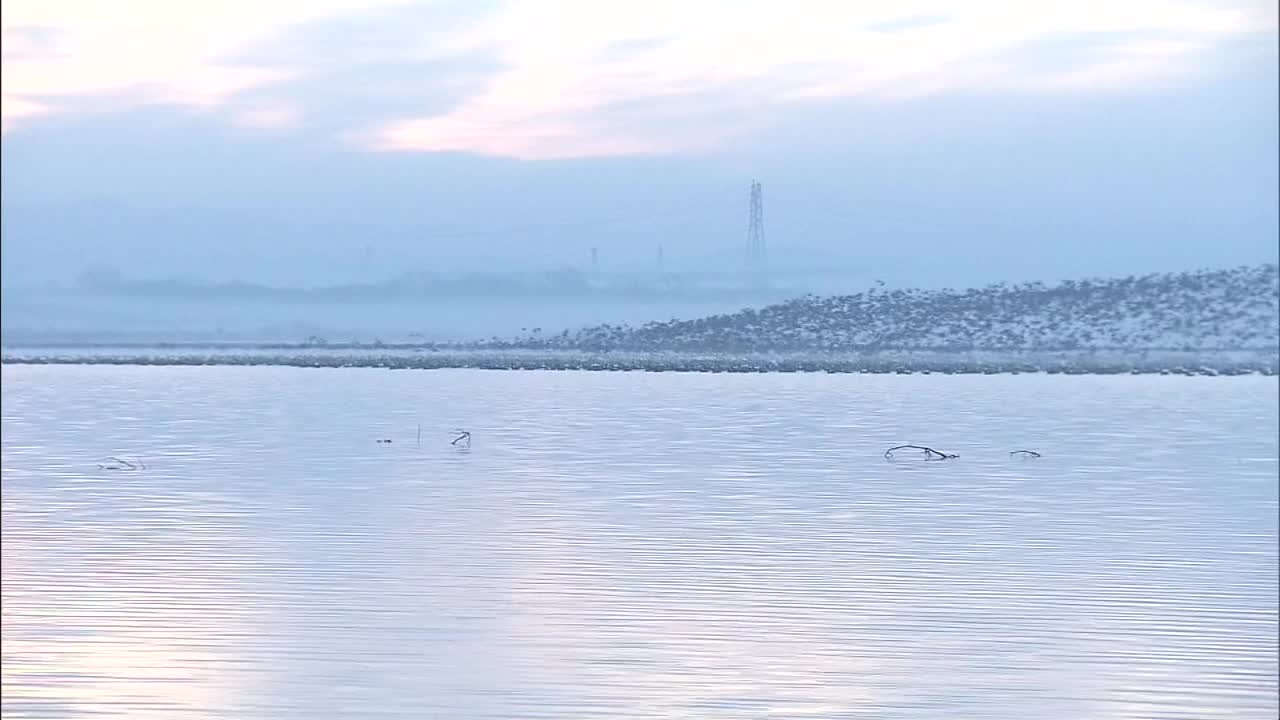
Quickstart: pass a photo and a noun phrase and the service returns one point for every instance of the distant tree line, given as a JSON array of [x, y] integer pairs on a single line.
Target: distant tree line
[[563, 283]]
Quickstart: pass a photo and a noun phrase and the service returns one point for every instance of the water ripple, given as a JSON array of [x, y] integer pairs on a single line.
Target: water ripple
[[636, 545]]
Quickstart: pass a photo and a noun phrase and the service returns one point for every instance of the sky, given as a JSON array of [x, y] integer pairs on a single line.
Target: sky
[[310, 142]]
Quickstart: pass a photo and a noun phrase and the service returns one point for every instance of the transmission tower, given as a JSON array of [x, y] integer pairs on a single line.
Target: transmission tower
[[755, 226]]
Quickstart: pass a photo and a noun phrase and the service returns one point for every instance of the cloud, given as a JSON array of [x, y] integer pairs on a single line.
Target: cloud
[[578, 78], [269, 117], [907, 23], [546, 104], [26, 41], [16, 109], [359, 70], [153, 52]]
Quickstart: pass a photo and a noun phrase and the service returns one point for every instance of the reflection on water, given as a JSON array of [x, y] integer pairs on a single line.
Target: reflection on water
[[636, 545]]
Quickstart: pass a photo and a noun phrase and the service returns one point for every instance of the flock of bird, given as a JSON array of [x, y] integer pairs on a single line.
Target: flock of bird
[[1222, 309]]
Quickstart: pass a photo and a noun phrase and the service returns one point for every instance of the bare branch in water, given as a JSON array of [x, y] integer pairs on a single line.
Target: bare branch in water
[[1025, 453], [463, 436], [120, 464], [929, 453]]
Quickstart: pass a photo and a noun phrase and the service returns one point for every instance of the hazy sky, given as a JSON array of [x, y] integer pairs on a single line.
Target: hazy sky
[[316, 140]]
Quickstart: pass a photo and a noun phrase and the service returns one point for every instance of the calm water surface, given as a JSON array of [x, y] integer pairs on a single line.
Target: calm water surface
[[633, 545]]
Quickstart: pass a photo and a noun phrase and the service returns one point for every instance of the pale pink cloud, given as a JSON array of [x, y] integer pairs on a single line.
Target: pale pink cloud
[[152, 50], [15, 109], [1151, 64], [269, 117], [567, 65], [562, 75]]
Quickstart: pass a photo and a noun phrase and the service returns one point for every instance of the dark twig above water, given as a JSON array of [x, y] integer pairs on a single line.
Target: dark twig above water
[[464, 435], [1025, 453], [929, 453], [119, 464]]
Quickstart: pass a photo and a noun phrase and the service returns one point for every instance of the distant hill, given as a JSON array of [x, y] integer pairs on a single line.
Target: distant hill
[[1236, 309]]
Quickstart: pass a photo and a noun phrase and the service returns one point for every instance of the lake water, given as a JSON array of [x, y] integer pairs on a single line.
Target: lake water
[[632, 545]]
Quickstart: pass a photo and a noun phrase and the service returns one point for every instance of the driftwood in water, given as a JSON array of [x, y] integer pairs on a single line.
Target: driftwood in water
[[463, 435], [929, 453], [119, 464], [1024, 453]]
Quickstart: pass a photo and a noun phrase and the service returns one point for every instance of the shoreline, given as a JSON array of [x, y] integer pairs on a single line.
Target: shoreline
[[988, 362]]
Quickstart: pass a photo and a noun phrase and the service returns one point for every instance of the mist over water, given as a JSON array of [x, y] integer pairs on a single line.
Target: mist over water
[[36, 317], [636, 545]]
